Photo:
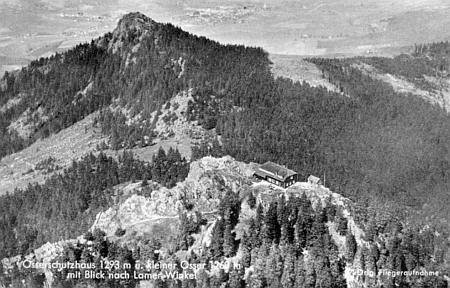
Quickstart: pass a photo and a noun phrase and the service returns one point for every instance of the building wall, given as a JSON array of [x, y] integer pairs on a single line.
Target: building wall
[[289, 181]]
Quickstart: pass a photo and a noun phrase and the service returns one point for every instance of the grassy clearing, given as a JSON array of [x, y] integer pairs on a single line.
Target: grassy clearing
[[297, 69], [18, 169]]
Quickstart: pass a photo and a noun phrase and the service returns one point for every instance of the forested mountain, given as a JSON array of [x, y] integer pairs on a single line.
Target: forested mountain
[[140, 66], [372, 144]]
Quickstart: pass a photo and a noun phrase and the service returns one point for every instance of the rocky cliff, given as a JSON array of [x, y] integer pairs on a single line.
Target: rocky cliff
[[205, 185]]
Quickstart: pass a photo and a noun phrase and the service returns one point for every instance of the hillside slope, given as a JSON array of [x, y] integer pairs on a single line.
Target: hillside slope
[[21, 168], [437, 92]]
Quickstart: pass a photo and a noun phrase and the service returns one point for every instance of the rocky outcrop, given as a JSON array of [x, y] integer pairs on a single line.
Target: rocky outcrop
[[172, 119], [208, 180]]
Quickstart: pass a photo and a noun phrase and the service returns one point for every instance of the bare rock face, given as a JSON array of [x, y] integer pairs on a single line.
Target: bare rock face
[[173, 120], [208, 180]]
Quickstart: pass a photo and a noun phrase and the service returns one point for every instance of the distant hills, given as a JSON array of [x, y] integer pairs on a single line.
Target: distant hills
[[31, 29]]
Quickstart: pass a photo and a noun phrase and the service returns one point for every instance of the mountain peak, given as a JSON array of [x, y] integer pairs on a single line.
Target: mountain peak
[[135, 20], [132, 25]]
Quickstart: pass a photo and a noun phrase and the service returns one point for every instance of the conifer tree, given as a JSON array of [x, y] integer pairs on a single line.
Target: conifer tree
[[350, 245], [288, 277], [115, 140], [229, 245], [330, 209], [337, 273], [274, 267], [246, 249], [217, 239], [323, 272], [2, 275], [258, 277], [255, 233], [318, 230], [273, 229], [341, 224], [236, 278], [310, 274], [300, 273]]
